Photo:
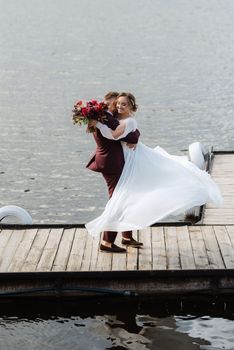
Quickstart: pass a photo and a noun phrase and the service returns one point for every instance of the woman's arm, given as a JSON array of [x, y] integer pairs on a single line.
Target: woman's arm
[[125, 127]]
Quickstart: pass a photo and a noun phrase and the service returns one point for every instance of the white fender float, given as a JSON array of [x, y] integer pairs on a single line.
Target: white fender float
[[197, 154], [17, 212]]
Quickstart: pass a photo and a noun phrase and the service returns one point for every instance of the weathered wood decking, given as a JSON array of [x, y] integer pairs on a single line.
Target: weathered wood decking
[[223, 174], [174, 259], [165, 248]]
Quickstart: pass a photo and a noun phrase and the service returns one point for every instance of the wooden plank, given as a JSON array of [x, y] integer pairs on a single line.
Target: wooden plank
[[227, 199], [50, 250], [219, 221], [223, 218], [85, 264], [224, 162], [10, 248], [225, 205], [63, 252], [228, 202], [212, 248], [227, 195], [199, 248], [145, 253], [223, 158], [158, 249], [224, 215], [221, 171], [185, 248], [104, 261], [222, 175], [77, 250], [225, 246], [226, 188], [219, 157], [22, 251], [218, 216], [133, 254], [119, 261], [219, 163], [224, 180], [222, 167], [172, 250], [95, 252], [220, 211], [36, 250], [224, 155], [4, 238], [230, 230]]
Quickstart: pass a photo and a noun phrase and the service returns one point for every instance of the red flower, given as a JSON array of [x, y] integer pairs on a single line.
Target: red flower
[[84, 111], [93, 109]]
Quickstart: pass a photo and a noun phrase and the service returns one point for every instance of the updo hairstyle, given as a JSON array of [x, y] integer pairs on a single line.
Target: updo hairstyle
[[131, 100]]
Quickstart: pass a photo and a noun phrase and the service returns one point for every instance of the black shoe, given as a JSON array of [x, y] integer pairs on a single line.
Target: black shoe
[[132, 243], [113, 249]]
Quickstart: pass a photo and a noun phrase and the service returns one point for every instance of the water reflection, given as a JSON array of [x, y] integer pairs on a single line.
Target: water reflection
[[125, 329]]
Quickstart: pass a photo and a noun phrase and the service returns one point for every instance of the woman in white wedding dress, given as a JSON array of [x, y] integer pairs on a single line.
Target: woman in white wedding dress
[[153, 184]]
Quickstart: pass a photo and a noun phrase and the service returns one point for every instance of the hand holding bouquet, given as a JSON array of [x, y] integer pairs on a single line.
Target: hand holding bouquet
[[84, 112]]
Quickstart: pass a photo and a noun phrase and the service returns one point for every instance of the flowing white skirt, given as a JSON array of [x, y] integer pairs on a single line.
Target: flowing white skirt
[[154, 185]]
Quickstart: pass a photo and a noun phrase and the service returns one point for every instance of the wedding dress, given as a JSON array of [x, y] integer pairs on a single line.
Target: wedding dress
[[152, 186]]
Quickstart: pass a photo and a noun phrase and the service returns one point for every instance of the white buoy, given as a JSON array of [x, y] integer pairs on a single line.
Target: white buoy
[[17, 212], [197, 154]]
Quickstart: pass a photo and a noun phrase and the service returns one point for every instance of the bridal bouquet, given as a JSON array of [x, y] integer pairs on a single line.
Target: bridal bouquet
[[83, 112]]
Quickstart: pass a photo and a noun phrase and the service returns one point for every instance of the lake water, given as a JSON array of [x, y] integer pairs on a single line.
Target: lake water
[[118, 325], [177, 57]]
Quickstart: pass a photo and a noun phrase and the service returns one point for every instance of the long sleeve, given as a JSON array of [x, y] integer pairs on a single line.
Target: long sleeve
[[111, 121], [130, 125], [132, 137]]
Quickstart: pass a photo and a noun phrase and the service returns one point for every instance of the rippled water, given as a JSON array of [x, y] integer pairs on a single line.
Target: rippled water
[[176, 56], [125, 329]]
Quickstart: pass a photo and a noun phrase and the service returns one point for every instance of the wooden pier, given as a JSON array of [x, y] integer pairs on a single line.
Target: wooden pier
[[176, 258]]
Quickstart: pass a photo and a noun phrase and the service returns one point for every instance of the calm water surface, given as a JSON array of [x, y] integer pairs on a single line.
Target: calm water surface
[[176, 56]]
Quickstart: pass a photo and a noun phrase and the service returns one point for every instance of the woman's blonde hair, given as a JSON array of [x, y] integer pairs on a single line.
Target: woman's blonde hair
[[131, 100]]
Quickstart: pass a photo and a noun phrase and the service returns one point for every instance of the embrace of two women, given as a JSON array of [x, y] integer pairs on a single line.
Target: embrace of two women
[[145, 185]]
